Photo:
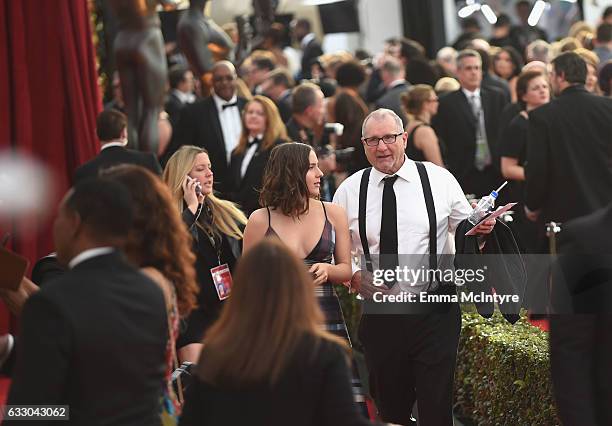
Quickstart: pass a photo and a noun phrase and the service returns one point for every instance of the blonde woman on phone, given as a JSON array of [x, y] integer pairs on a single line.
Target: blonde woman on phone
[[216, 226]]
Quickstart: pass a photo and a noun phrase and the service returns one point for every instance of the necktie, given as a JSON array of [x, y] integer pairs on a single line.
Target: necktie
[[254, 141], [388, 229], [233, 104], [483, 155]]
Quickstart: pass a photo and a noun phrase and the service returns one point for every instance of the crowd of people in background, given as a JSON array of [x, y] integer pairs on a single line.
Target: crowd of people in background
[[253, 168]]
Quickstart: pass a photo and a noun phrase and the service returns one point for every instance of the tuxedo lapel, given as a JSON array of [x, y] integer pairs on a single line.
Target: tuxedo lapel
[[466, 108], [216, 124]]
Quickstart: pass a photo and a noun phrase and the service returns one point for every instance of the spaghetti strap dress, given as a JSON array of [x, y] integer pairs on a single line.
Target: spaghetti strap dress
[[323, 252]]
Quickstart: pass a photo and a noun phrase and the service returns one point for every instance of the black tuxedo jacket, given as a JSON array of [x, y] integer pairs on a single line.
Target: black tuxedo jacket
[[309, 54], [245, 190], [569, 155], [199, 125], [456, 125], [173, 107], [391, 99], [94, 339], [113, 156], [581, 344]]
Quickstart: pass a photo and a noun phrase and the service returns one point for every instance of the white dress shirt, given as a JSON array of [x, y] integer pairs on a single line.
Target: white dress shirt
[[412, 220], [231, 124], [88, 254], [185, 98], [249, 154]]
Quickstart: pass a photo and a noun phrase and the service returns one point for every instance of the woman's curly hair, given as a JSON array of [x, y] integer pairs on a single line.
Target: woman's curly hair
[[284, 183], [158, 237]]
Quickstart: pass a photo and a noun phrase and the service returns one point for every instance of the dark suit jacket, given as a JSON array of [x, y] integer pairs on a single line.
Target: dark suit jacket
[[113, 156], [314, 389], [245, 190], [95, 339], [456, 125], [309, 54], [581, 345], [199, 125], [569, 155], [492, 81], [284, 105], [173, 107], [391, 99]]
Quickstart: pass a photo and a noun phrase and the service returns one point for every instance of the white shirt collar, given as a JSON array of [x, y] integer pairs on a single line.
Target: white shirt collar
[[408, 172], [220, 102], [252, 138], [307, 39], [88, 254], [118, 142], [469, 94], [186, 98]]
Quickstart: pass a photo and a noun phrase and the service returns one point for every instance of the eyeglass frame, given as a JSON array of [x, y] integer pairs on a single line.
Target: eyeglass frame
[[364, 140]]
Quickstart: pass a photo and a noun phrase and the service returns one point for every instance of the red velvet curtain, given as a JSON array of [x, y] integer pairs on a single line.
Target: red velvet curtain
[[49, 99]]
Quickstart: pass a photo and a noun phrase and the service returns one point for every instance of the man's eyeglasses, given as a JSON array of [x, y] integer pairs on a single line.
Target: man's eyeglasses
[[375, 140]]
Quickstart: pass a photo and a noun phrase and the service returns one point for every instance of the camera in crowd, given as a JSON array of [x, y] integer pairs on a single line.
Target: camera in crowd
[[342, 156]]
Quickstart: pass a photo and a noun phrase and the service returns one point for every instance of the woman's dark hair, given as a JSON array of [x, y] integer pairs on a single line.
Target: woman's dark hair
[[158, 237], [350, 74], [522, 85], [284, 182], [515, 57]]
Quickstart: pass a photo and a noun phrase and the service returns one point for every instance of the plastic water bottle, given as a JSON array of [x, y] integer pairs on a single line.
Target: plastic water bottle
[[484, 206]]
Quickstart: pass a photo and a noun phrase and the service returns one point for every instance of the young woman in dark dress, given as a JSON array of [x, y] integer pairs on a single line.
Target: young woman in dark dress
[[421, 104], [533, 90], [315, 231], [216, 226]]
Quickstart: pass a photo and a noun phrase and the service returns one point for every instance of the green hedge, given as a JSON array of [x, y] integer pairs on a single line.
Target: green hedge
[[503, 373]]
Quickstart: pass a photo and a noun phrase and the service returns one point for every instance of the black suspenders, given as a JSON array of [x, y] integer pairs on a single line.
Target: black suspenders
[[431, 213]]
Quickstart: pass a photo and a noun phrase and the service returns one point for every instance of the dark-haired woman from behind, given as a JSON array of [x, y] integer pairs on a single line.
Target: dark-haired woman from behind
[[262, 130], [421, 104], [267, 360]]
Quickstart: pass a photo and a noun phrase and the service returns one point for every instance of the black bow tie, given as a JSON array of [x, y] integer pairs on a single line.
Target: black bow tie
[[229, 105], [255, 141]]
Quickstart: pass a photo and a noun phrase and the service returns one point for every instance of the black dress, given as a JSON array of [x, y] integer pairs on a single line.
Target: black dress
[[514, 145], [416, 154], [412, 151], [313, 390], [208, 255], [323, 252]]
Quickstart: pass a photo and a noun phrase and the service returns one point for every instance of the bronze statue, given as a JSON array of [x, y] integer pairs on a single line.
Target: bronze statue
[[202, 41], [141, 62]]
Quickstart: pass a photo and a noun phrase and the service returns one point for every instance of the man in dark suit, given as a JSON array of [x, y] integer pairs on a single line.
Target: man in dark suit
[[580, 338], [277, 86], [569, 149], [308, 110], [95, 338], [181, 91], [213, 123], [311, 48], [111, 128], [468, 121], [393, 75]]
